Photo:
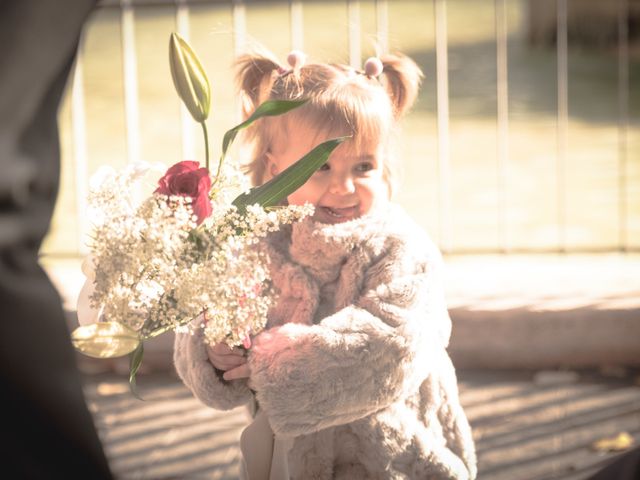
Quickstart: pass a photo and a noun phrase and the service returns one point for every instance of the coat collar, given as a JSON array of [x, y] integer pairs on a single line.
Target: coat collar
[[324, 248]]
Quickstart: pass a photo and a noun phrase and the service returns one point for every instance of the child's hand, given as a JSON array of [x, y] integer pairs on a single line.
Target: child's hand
[[224, 357], [243, 371]]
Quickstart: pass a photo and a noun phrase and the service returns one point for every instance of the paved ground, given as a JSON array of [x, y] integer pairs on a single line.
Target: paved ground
[[528, 426]]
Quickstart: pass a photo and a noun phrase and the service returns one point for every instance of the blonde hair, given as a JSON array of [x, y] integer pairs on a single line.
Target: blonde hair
[[340, 101]]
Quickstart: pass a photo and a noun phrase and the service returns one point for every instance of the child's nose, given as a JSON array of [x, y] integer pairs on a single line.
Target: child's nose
[[342, 185]]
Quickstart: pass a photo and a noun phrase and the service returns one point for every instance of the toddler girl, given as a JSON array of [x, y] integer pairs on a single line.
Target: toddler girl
[[352, 372]]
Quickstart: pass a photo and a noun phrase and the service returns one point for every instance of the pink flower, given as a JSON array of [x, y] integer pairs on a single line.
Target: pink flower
[[187, 179]]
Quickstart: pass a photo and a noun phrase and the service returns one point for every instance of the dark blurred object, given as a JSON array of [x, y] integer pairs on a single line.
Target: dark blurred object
[[47, 431], [625, 467], [590, 23]]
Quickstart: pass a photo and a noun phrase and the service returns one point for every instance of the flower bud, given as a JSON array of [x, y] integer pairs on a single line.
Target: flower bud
[[189, 78]]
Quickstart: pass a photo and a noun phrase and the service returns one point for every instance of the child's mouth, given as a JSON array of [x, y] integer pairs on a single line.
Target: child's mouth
[[333, 214]]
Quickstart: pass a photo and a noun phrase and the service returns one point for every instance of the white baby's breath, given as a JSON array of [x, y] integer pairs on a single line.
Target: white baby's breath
[[156, 270]]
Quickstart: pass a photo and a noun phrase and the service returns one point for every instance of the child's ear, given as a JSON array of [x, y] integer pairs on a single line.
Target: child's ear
[[271, 167]]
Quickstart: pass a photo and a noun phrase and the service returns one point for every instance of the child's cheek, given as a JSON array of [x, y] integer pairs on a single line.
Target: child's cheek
[[305, 194]]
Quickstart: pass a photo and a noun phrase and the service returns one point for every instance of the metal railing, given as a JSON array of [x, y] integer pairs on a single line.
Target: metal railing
[[296, 13]]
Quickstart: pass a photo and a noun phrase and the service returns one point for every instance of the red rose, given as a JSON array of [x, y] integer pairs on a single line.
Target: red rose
[[187, 179]]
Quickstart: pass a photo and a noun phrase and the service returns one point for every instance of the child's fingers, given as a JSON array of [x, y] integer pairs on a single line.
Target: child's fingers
[[242, 371], [239, 351], [224, 361], [227, 362], [224, 349]]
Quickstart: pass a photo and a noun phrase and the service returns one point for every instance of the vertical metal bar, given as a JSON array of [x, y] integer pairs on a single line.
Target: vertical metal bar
[[623, 121], [382, 25], [562, 123], [442, 95], [239, 14], [355, 49], [186, 122], [296, 19], [130, 72], [502, 86], [79, 127]]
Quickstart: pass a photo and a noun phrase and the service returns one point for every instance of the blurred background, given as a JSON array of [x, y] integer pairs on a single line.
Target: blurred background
[[525, 137], [521, 158]]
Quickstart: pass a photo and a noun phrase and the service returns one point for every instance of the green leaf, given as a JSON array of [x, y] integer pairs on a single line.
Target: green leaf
[[189, 78], [270, 108], [105, 339], [287, 182], [134, 366]]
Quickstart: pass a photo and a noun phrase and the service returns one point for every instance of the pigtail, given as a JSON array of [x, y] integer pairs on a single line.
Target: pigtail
[[254, 77], [402, 79]]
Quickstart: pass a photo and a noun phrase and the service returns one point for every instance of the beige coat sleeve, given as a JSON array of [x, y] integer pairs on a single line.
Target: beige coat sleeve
[[200, 376]]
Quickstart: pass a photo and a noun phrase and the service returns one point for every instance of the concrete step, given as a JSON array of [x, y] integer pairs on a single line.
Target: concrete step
[[544, 311], [508, 311]]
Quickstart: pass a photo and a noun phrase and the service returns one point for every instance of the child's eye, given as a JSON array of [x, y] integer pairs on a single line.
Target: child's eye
[[324, 167], [364, 167]]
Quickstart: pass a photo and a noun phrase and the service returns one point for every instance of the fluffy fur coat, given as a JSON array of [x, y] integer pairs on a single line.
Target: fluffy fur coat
[[353, 365]]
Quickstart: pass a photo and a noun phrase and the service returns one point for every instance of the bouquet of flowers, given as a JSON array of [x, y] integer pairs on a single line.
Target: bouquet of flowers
[[189, 249]]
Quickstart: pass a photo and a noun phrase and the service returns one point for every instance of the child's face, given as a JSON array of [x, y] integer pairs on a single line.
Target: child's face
[[348, 186]]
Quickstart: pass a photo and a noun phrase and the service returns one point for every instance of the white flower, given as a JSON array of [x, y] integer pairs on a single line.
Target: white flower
[[152, 269]]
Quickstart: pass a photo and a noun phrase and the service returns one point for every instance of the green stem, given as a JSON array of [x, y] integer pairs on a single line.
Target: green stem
[[217, 177], [166, 328], [159, 331], [206, 144]]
